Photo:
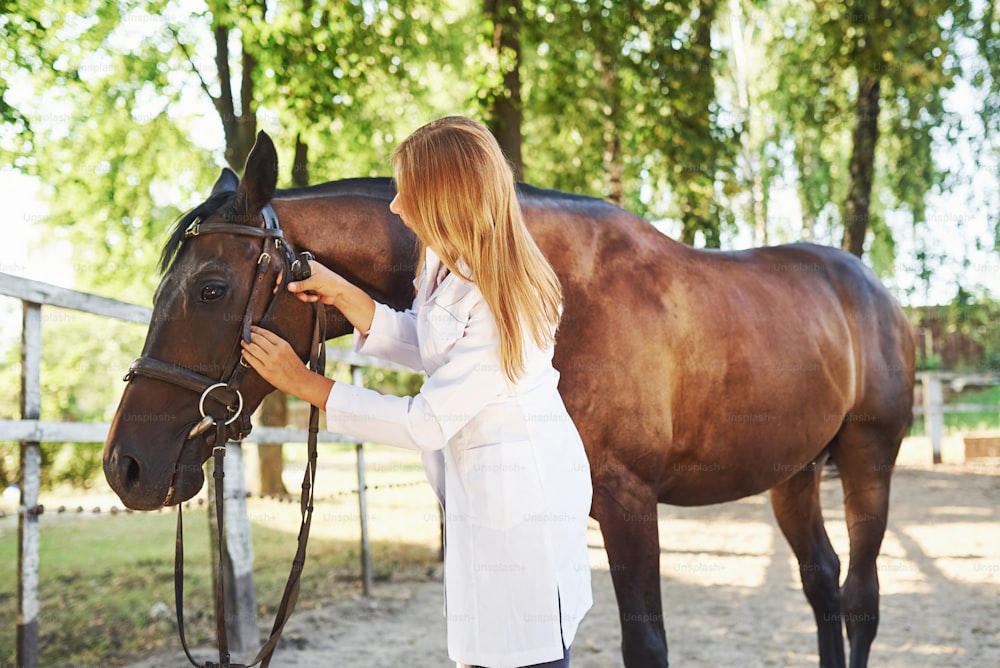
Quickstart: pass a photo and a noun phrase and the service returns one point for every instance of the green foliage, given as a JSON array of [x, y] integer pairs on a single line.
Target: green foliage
[[820, 53], [976, 317], [330, 72], [108, 139], [51, 46], [960, 336], [629, 86]]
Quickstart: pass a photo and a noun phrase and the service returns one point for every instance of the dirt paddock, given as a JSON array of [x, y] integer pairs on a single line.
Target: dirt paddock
[[730, 587]]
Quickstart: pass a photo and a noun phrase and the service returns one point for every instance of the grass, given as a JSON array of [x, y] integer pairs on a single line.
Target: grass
[[101, 577]]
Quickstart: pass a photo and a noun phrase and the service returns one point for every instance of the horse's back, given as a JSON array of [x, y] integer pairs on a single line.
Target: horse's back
[[881, 334], [722, 360]]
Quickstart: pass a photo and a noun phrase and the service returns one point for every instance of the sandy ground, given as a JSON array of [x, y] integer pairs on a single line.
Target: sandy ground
[[729, 582]]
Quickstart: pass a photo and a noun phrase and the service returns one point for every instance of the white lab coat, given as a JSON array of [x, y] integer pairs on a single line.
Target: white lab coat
[[505, 461]]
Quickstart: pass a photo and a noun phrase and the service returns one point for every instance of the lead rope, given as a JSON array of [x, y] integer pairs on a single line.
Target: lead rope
[[317, 362], [219, 473]]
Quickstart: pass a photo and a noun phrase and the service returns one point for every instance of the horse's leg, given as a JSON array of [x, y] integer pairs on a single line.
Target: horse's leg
[[627, 515], [797, 509], [866, 458]]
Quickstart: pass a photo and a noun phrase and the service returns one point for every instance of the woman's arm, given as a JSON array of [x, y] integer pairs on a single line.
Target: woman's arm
[[454, 394], [395, 335]]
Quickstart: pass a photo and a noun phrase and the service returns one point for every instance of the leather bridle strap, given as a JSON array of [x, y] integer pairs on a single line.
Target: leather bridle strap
[[317, 362], [188, 379], [169, 373]]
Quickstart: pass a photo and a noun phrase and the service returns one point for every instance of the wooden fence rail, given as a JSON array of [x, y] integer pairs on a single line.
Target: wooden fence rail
[[31, 431]]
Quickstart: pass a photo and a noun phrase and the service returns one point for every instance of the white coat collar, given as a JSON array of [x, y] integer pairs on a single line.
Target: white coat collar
[[444, 286]]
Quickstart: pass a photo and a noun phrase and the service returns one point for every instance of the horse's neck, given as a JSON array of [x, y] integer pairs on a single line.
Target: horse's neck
[[355, 235]]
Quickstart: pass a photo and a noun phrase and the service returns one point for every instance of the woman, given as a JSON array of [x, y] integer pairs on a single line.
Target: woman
[[496, 441]]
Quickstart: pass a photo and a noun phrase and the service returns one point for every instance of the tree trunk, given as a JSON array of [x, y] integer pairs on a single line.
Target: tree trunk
[[741, 35], [856, 210], [504, 113], [240, 128], [695, 185], [300, 164], [273, 412], [239, 124], [614, 169]]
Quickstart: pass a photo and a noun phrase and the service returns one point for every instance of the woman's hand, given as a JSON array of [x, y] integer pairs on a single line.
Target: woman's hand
[[329, 287], [323, 285], [273, 358]]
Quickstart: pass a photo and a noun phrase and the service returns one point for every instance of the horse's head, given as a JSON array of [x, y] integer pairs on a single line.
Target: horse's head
[[224, 267]]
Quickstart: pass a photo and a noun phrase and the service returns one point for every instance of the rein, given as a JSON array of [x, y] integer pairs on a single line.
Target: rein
[[292, 268]]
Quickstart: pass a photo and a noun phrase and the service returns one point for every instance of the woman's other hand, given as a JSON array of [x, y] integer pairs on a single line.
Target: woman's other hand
[[276, 362]]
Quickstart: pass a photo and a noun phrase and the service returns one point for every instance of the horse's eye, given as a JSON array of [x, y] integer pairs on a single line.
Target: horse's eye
[[211, 293]]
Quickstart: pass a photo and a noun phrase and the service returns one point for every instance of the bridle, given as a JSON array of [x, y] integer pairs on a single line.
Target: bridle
[[234, 423], [261, 293]]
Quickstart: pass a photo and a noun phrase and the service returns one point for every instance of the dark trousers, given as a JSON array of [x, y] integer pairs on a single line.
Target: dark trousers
[[558, 663]]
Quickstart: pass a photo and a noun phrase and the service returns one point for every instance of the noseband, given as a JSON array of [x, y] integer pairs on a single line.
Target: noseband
[[235, 423]]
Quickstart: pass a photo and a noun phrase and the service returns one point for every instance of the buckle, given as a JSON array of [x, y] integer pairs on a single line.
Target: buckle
[[300, 267]]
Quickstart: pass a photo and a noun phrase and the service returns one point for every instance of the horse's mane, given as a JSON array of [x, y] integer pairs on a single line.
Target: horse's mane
[[176, 239], [378, 187]]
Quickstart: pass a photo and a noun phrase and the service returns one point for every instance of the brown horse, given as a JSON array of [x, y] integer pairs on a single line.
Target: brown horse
[[695, 377]]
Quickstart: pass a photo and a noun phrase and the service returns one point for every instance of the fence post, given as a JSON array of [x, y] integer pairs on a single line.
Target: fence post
[[237, 550], [31, 468], [366, 552], [934, 412]]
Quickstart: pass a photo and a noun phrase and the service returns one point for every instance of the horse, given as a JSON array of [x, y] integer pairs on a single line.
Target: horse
[[694, 376]]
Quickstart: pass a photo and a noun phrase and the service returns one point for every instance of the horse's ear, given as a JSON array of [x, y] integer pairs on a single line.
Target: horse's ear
[[260, 176], [228, 182]]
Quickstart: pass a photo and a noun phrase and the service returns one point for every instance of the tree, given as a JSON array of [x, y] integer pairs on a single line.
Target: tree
[[276, 65], [623, 97], [503, 103], [351, 79], [897, 63], [237, 111]]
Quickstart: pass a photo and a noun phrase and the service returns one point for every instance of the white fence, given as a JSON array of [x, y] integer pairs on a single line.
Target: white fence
[[30, 431], [932, 406]]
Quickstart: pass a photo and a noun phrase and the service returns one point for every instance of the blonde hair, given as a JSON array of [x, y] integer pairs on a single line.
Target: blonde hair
[[458, 191]]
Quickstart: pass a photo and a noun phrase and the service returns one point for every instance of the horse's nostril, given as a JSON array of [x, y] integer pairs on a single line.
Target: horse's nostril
[[131, 469]]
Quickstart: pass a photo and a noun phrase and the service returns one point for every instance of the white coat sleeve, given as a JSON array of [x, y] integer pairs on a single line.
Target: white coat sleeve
[[392, 336], [456, 392]]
